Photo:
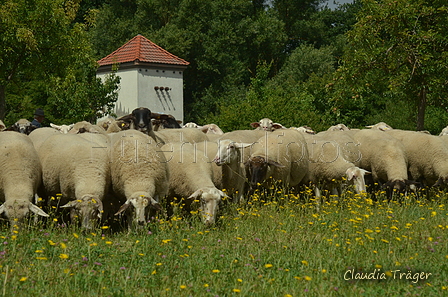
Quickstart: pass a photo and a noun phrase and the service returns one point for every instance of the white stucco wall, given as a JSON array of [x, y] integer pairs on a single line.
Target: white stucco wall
[[137, 90]]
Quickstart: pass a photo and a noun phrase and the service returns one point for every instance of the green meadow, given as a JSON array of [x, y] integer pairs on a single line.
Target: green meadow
[[276, 244]]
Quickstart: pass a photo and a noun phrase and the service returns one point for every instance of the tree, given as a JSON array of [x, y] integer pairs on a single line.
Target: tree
[[398, 50], [44, 54]]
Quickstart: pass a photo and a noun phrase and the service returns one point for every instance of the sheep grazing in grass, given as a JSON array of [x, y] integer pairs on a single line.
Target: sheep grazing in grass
[[79, 169], [139, 174], [229, 157], [20, 177], [330, 163], [191, 178], [427, 156], [385, 157], [281, 154], [62, 128]]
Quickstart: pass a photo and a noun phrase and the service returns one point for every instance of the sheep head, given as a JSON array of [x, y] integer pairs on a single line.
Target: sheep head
[[228, 151], [140, 201], [266, 125], [355, 176], [210, 199], [62, 128], [88, 209], [17, 210]]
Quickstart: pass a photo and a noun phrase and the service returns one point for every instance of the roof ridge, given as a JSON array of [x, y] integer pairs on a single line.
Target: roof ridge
[[144, 50]]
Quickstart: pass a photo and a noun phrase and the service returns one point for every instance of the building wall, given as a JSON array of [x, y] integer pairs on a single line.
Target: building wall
[[168, 98], [137, 89]]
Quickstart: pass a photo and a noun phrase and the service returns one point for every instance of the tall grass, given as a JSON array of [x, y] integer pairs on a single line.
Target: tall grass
[[276, 244]]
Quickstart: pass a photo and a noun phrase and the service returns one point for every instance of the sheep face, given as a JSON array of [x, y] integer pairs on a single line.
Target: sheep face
[[191, 125], [88, 209], [17, 210], [22, 126], [258, 168], [142, 119], [228, 151], [355, 175], [210, 199], [62, 128], [140, 203], [264, 124]]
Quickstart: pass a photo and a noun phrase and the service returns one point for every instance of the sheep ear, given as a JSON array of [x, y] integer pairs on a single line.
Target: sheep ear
[[276, 164], [70, 204], [2, 208], [242, 144], [277, 126], [154, 204], [123, 207], [255, 125], [195, 194], [35, 209], [100, 208], [55, 126]]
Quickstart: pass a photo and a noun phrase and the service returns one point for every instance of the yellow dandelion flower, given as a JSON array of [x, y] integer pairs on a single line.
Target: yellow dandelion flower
[[183, 286], [205, 285], [308, 278], [215, 271], [23, 279], [268, 265], [63, 245], [236, 290], [305, 263], [63, 256], [75, 235]]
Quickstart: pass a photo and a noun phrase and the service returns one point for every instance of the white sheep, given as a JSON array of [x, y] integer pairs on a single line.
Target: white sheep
[[328, 166], [444, 131], [427, 156], [338, 127], [139, 173], [382, 126], [384, 156], [281, 154], [304, 129], [230, 157], [62, 128], [191, 177], [84, 126], [181, 135], [267, 124], [20, 177], [38, 136], [79, 169]]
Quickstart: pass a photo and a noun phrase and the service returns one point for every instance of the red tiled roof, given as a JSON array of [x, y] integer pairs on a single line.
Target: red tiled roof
[[141, 49]]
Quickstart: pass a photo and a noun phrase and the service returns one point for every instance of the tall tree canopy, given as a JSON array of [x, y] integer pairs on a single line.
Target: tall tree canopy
[[46, 61], [397, 54]]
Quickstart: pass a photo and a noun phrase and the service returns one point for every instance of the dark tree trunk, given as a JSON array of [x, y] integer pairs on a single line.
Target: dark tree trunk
[[2, 102], [421, 109]]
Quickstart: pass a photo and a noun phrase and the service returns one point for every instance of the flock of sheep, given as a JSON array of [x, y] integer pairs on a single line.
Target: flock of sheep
[[125, 166]]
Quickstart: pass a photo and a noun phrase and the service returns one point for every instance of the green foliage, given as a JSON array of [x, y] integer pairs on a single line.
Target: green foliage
[[397, 49], [46, 62], [294, 97]]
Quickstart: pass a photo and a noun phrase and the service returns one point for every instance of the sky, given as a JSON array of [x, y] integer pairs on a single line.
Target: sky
[[332, 4]]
